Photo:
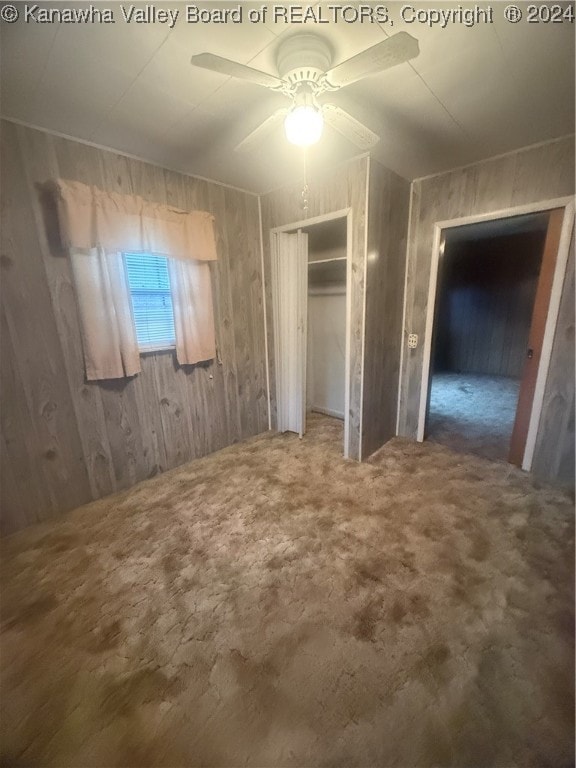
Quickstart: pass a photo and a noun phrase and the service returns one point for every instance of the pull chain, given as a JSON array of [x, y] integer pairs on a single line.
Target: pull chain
[[305, 188]]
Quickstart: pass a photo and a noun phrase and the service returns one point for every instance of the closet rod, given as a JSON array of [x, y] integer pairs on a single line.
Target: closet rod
[[326, 261]]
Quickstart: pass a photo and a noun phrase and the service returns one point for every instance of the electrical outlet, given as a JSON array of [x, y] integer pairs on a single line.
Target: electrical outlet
[[412, 340]]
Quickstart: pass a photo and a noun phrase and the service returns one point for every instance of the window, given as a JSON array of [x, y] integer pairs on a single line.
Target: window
[[152, 309]]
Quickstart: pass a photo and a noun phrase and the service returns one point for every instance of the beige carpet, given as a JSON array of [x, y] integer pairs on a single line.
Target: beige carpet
[[274, 605]]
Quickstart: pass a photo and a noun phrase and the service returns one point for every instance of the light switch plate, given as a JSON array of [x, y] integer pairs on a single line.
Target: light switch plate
[[412, 340]]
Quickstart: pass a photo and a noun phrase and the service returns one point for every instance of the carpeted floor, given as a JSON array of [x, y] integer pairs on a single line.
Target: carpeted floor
[[275, 605], [473, 413]]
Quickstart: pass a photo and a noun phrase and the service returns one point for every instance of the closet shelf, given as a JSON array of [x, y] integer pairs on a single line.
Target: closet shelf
[[331, 272]]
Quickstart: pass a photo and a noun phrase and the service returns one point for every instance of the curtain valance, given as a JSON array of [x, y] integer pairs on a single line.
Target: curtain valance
[[93, 218]]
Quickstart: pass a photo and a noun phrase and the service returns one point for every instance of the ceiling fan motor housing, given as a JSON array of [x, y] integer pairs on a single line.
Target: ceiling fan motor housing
[[303, 58]]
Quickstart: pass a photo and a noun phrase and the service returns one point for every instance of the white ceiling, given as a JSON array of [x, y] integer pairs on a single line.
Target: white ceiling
[[473, 92]]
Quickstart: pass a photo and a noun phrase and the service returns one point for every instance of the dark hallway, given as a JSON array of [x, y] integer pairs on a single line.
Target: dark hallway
[[487, 283]]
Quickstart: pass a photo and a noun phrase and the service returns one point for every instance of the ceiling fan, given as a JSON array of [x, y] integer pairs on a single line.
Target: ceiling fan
[[305, 72]]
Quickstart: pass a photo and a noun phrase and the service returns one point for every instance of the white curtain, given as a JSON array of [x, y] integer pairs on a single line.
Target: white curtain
[[97, 226], [193, 311], [105, 310]]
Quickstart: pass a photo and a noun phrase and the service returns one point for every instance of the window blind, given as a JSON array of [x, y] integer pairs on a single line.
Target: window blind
[[149, 283]]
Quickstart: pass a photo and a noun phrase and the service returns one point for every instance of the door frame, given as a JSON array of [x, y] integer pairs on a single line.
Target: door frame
[[343, 213], [552, 317]]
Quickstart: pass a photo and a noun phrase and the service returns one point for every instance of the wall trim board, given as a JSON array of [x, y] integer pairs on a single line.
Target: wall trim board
[[365, 272], [339, 214], [120, 152], [404, 303], [509, 153], [559, 275], [348, 339], [265, 313]]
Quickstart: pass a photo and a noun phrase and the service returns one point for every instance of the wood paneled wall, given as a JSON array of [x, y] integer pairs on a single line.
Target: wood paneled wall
[[531, 175], [485, 302], [388, 203], [66, 441], [344, 187]]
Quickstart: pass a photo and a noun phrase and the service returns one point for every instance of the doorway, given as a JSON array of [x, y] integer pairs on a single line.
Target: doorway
[[310, 294], [496, 281]]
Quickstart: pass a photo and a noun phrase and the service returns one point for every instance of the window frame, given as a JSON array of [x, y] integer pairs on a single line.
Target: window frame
[[144, 349]]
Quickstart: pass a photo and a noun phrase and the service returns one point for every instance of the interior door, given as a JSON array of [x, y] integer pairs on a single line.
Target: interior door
[[439, 279], [536, 337], [289, 300]]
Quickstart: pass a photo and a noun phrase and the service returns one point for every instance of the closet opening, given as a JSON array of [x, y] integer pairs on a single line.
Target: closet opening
[[310, 292], [492, 296], [326, 337]]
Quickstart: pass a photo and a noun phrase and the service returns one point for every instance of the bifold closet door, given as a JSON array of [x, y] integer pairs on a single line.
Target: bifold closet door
[[289, 299]]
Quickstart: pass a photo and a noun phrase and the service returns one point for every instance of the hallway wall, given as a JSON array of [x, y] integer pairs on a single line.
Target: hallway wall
[[485, 304]]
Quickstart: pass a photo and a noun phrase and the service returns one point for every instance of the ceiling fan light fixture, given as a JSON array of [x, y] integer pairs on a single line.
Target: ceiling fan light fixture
[[304, 72], [304, 125]]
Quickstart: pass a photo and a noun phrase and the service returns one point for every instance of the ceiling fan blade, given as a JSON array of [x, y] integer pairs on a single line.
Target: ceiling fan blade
[[395, 50], [253, 140], [349, 127], [234, 69]]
